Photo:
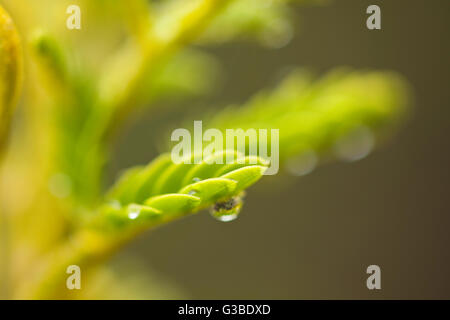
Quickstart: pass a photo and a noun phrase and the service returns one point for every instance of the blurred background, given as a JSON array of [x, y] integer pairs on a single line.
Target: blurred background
[[314, 236], [309, 237]]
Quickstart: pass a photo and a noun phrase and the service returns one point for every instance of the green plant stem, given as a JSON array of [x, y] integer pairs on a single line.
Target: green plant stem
[[87, 248]]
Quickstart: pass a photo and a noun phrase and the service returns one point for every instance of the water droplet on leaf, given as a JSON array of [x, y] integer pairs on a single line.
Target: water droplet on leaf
[[192, 192], [133, 212], [196, 179], [227, 210]]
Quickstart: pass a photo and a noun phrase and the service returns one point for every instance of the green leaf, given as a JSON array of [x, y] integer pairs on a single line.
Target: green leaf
[[267, 21], [211, 190], [190, 72], [51, 54], [112, 216], [208, 167], [315, 115], [246, 176], [241, 163], [146, 187], [171, 179], [124, 188], [173, 203], [143, 185]]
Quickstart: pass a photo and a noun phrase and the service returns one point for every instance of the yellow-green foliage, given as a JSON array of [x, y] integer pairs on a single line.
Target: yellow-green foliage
[[10, 71], [81, 86]]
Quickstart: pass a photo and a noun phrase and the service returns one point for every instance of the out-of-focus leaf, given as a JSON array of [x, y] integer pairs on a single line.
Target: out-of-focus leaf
[[190, 72], [51, 53], [267, 21], [315, 115], [10, 71]]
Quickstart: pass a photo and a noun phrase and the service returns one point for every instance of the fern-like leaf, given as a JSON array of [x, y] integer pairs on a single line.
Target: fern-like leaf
[[163, 190]]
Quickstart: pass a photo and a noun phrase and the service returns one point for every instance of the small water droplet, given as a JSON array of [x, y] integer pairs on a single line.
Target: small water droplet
[[303, 164], [355, 145], [133, 212], [196, 179], [192, 192], [228, 210]]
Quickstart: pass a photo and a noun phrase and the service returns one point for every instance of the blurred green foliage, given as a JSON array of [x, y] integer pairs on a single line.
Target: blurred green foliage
[[81, 86]]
